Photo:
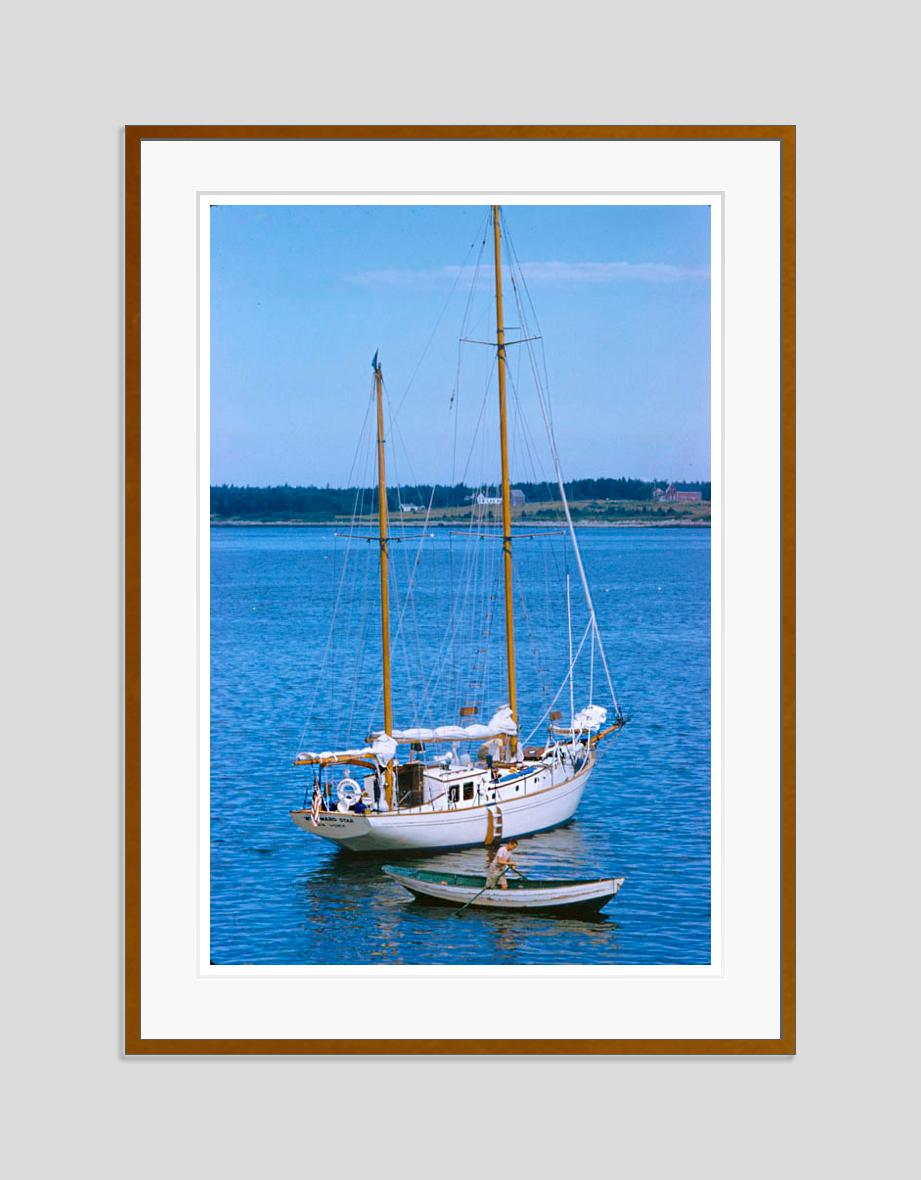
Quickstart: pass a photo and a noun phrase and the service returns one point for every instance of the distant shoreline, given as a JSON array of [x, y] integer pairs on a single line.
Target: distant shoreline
[[438, 524]]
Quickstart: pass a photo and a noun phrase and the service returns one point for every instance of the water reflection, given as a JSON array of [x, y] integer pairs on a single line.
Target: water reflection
[[347, 892]]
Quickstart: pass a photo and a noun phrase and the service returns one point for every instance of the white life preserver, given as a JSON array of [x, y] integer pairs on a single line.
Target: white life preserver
[[348, 792]]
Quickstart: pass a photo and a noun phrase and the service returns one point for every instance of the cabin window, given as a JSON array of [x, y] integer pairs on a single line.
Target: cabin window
[[453, 794], [468, 791]]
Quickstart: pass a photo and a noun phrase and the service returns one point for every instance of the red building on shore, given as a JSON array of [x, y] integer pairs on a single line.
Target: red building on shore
[[671, 495]]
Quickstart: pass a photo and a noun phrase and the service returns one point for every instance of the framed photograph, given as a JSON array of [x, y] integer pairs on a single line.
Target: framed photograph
[[460, 590]]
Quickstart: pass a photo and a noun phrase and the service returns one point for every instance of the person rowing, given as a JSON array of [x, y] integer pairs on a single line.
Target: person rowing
[[500, 865]]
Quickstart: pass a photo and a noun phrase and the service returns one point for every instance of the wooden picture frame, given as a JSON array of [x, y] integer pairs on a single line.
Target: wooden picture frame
[[135, 1042]]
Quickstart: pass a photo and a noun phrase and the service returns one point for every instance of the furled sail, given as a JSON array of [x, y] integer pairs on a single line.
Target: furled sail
[[382, 750], [500, 723], [590, 718]]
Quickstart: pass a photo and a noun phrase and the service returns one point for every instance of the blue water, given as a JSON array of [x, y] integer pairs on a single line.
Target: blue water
[[279, 895]]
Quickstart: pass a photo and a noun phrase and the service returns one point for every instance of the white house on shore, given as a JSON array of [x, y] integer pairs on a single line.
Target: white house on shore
[[516, 495]]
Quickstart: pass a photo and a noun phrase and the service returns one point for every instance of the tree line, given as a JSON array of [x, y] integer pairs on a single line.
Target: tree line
[[284, 502]]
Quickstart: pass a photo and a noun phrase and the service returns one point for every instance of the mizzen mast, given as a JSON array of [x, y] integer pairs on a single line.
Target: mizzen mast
[[506, 492], [385, 587]]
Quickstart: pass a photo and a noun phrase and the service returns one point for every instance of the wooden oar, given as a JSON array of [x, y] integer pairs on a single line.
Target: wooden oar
[[476, 895]]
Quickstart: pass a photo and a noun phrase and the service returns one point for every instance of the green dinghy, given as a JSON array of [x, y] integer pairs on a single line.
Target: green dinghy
[[531, 894]]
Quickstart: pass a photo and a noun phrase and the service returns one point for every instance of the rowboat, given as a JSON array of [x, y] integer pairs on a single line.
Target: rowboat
[[533, 894]]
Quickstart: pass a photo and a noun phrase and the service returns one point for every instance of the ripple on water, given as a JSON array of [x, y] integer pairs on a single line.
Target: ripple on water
[[281, 897]]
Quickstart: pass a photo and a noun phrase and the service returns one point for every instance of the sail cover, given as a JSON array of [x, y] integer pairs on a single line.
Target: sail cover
[[501, 722], [382, 750], [591, 717]]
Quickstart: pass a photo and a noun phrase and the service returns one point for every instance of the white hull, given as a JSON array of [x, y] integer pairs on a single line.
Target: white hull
[[508, 817]]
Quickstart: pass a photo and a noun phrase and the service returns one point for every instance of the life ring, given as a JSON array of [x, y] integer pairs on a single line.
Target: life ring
[[348, 792]]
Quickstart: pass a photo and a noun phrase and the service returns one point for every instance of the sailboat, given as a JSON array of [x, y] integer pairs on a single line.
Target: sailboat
[[429, 788]]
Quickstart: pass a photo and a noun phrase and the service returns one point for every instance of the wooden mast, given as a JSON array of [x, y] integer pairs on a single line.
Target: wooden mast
[[506, 493], [385, 588]]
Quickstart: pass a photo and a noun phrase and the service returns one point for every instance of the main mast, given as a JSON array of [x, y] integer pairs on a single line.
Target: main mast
[[385, 588], [506, 492]]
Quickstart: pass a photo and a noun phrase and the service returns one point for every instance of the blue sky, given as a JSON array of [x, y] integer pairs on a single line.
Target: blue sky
[[303, 295]]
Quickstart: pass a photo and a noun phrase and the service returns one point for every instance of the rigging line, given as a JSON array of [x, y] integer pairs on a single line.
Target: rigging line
[[591, 671], [477, 587], [551, 557], [548, 427], [576, 551], [393, 583], [408, 598], [527, 437], [399, 640], [445, 647], [548, 423], [562, 686], [483, 664], [480, 663], [364, 426], [457, 615], [516, 265], [455, 409], [361, 614], [533, 648], [364, 616], [319, 679], [457, 618], [479, 420], [408, 604], [410, 587], [468, 619], [447, 657], [459, 650], [531, 448], [452, 631], [478, 683], [479, 666], [441, 314], [474, 283], [353, 635], [525, 448], [543, 399], [329, 638], [406, 659], [444, 666], [572, 687], [454, 401], [536, 650]]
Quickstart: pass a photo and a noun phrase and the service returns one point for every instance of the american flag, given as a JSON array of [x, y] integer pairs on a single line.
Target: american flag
[[316, 805]]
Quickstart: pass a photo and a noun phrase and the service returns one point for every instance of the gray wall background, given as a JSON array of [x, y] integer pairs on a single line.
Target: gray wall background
[[73, 76]]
